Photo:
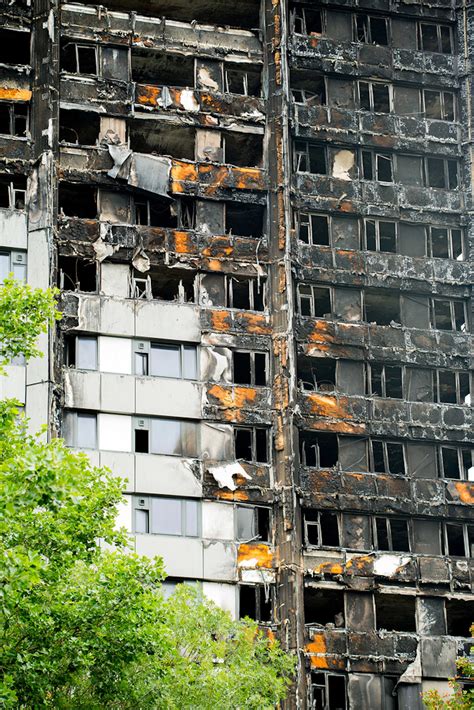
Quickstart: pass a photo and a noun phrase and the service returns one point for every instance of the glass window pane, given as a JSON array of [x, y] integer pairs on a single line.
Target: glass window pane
[[445, 33], [429, 38], [19, 272], [165, 360], [436, 177], [189, 362], [4, 265], [245, 523], [86, 353], [456, 239], [141, 364], [165, 436], [192, 518], [433, 104], [370, 235], [141, 521], [439, 243], [448, 106], [167, 516], [86, 431], [442, 314]]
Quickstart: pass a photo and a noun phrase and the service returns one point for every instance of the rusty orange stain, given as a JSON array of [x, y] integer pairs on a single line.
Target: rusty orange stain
[[147, 95], [11, 94], [233, 396], [248, 178], [317, 645], [213, 265], [337, 426], [329, 568], [231, 495], [183, 243], [465, 492], [254, 556], [346, 206], [360, 563], [326, 406], [182, 171], [255, 323], [221, 320], [218, 247], [317, 648]]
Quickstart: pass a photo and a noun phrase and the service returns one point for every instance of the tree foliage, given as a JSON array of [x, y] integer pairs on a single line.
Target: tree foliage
[[83, 621]]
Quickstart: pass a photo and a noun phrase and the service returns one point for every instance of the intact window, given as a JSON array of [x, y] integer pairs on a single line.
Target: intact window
[[435, 38], [80, 429], [173, 360], [386, 380], [446, 243], [314, 301], [377, 166], [447, 314], [380, 235], [175, 437], [81, 352], [167, 516], [249, 368], [387, 457], [253, 523], [12, 262], [313, 228], [321, 529], [251, 444]]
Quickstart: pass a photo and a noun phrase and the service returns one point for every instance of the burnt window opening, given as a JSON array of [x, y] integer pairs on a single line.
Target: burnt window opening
[[76, 274], [313, 228], [186, 211], [438, 105], [253, 523], [375, 97], [321, 529], [380, 235], [173, 141], [249, 368], [13, 192], [307, 21], [458, 539], [327, 691], [81, 352], [323, 607], [164, 284], [314, 301], [456, 462], [79, 58], [79, 127], [14, 119], [14, 47], [242, 15], [391, 535], [386, 380], [158, 69], [435, 38], [77, 200], [377, 166], [387, 457], [308, 89], [316, 374], [382, 308], [447, 314], [395, 612], [245, 293], [310, 158], [459, 617], [244, 220], [441, 173], [446, 243], [155, 212], [452, 387], [318, 450], [243, 80], [243, 150], [251, 443], [255, 602], [371, 29]]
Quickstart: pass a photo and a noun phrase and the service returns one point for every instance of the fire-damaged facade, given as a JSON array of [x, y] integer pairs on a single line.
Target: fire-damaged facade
[[259, 216]]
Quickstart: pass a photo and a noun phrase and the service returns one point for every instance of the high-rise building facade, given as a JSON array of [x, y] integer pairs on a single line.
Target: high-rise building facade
[[259, 215]]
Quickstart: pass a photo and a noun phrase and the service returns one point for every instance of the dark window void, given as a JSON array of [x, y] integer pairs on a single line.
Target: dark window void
[[374, 97], [255, 601], [445, 243], [244, 220], [13, 192], [306, 20], [371, 30], [174, 141], [253, 523], [243, 149], [243, 79], [76, 274], [441, 173], [321, 529], [164, 284], [453, 387], [459, 615], [455, 543], [380, 235], [318, 450], [448, 315], [455, 462], [316, 374], [435, 38], [14, 47], [382, 308], [328, 691], [392, 534], [251, 444], [387, 457], [14, 119], [386, 380], [313, 228], [395, 612], [310, 158], [79, 127], [142, 444], [377, 166], [150, 67], [245, 294], [249, 368], [78, 58], [156, 212], [77, 200], [323, 607], [308, 88], [314, 301]]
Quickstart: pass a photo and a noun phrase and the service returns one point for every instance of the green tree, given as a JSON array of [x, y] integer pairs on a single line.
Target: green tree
[[83, 621]]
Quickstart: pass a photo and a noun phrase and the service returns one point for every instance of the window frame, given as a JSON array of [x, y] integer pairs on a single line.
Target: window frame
[[148, 506], [254, 509], [383, 379], [253, 443], [325, 694], [370, 87], [452, 309], [459, 452], [253, 285], [450, 242], [144, 347], [73, 417], [253, 378], [300, 156], [309, 215], [14, 193], [146, 424], [317, 524], [18, 259], [388, 520], [312, 300], [468, 553], [12, 119], [442, 103], [457, 386], [446, 173], [439, 27], [258, 589], [385, 454], [83, 45], [375, 156], [302, 20], [377, 221]]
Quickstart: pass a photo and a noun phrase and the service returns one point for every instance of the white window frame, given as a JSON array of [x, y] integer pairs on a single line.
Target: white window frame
[[370, 86], [386, 457], [145, 503], [449, 240], [377, 222]]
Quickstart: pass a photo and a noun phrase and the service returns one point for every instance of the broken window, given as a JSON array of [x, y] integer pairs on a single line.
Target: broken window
[[243, 149], [173, 141], [174, 437], [82, 352], [79, 127], [79, 58], [13, 192], [458, 540], [458, 617], [391, 534], [249, 368], [328, 691], [14, 47], [386, 380], [435, 38], [446, 243], [156, 212], [244, 220], [323, 607], [456, 462], [308, 89], [77, 200], [76, 274], [253, 523], [380, 235], [321, 529], [387, 457], [375, 97], [156, 68], [241, 79], [395, 612], [165, 284], [438, 104], [310, 158], [441, 173], [255, 602], [245, 293], [307, 21], [371, 29], [80, 429], [377, 166], [314, 301], [14, 119], [316, 374], [382, 308], [251, 444], [157, 515], [448, 314], [12, 262], [313, 228], [174, 360], [453, 387], [318, 450]]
